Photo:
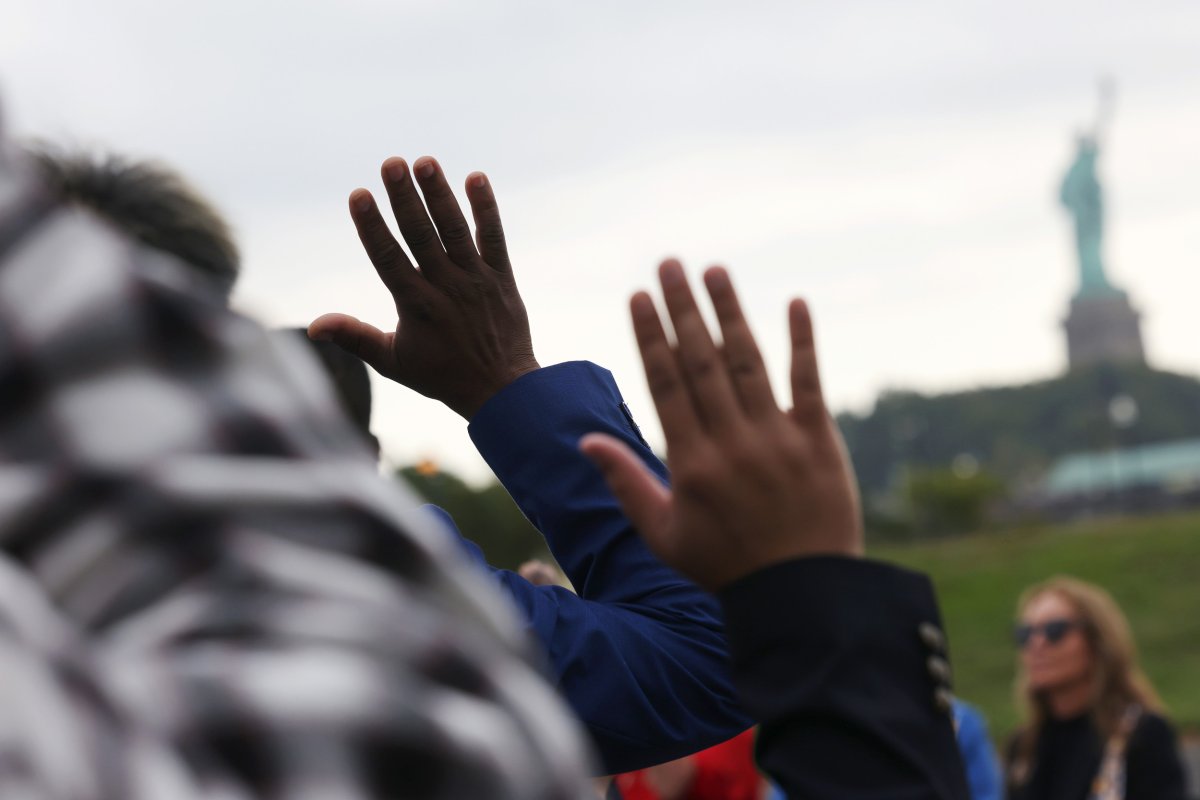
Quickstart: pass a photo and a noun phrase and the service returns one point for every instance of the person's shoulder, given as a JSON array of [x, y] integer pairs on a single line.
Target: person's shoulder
[[1154, 765], [1153, 745], [1153, 730]]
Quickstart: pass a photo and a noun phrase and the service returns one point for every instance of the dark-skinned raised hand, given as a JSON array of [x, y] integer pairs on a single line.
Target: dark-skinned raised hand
[[752, 485], [462, 333]]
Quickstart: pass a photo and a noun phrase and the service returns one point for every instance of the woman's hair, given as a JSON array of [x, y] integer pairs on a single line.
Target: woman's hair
[[1117, 680]]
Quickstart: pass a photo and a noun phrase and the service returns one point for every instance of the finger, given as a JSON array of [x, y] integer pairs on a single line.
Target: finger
[[672, 400], [412, 218], [742, 357], [489, 233], [389, 258], [447, 216], [355, 337], [703, 369], [806, 380], [641, 494]]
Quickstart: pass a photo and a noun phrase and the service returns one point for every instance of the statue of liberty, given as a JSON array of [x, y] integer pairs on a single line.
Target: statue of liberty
[[1083, 196]]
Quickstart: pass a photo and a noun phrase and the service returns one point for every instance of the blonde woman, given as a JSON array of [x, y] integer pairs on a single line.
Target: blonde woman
[[1093, 726]]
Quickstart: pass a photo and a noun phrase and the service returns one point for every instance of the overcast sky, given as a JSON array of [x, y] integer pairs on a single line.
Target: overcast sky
[[896, 163]]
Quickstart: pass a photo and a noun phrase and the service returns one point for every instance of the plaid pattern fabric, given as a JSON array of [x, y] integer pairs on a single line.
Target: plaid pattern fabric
[[205, 588]]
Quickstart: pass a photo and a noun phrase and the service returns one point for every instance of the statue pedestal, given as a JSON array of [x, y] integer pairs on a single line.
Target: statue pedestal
[[1103, 328]]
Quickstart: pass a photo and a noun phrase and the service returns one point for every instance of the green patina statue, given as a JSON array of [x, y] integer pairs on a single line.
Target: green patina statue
[[1083, 197]]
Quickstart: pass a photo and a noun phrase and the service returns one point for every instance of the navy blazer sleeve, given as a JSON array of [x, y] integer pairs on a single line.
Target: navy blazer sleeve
[[832, 656], [640, 653]]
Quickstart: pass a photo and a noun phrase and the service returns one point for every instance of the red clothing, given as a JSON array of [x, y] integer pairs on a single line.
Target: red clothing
[[723, 772], [633, 786]]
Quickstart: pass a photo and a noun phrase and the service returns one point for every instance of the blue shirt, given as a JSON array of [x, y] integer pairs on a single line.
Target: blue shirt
[[979, 757], [639, 653]]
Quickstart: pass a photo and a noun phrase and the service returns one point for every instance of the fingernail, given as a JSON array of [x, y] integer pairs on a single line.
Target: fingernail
[[478, 180], [642, 306], [395, 169], [362, 200], [425, 168], [717, 277], [671, 274]]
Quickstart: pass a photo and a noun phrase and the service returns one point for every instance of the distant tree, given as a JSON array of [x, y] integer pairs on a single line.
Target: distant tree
[[946, 501], [1015, 432], [486, 515]]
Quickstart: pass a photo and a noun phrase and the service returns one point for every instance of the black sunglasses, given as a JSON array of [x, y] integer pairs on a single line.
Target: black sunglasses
[[1054, 631]]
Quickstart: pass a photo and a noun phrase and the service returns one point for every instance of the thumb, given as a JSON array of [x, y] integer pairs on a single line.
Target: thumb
[[355, 337], [641, 494]]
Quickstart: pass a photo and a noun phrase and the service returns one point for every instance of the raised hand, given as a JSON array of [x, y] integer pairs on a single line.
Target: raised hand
[[751, 485], [462, 333]]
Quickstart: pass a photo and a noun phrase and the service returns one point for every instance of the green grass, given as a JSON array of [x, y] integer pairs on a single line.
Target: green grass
[[1150, 565]]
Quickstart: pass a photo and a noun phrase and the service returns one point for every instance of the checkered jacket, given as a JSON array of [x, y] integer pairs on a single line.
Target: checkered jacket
[[206, 591]]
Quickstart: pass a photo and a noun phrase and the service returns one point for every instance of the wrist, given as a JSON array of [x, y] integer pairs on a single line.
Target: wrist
[[469, 406]]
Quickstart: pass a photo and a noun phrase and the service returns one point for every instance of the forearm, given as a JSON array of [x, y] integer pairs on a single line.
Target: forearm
[[640, 653], [529, 434], [648, 687]]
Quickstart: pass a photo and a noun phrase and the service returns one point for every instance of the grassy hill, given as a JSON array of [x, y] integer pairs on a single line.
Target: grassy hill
[[1150, 565]]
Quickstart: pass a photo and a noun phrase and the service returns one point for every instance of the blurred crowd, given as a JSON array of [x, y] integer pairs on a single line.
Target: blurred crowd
[[208, 590]]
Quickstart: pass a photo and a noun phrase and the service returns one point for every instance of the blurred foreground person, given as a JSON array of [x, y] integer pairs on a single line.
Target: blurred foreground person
[[1093, 727], [149, 202], [841, 659], [205, 588], [350, 378]]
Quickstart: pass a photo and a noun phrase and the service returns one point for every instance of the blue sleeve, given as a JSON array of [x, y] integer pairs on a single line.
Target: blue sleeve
[[640, 653], [979, 757]]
